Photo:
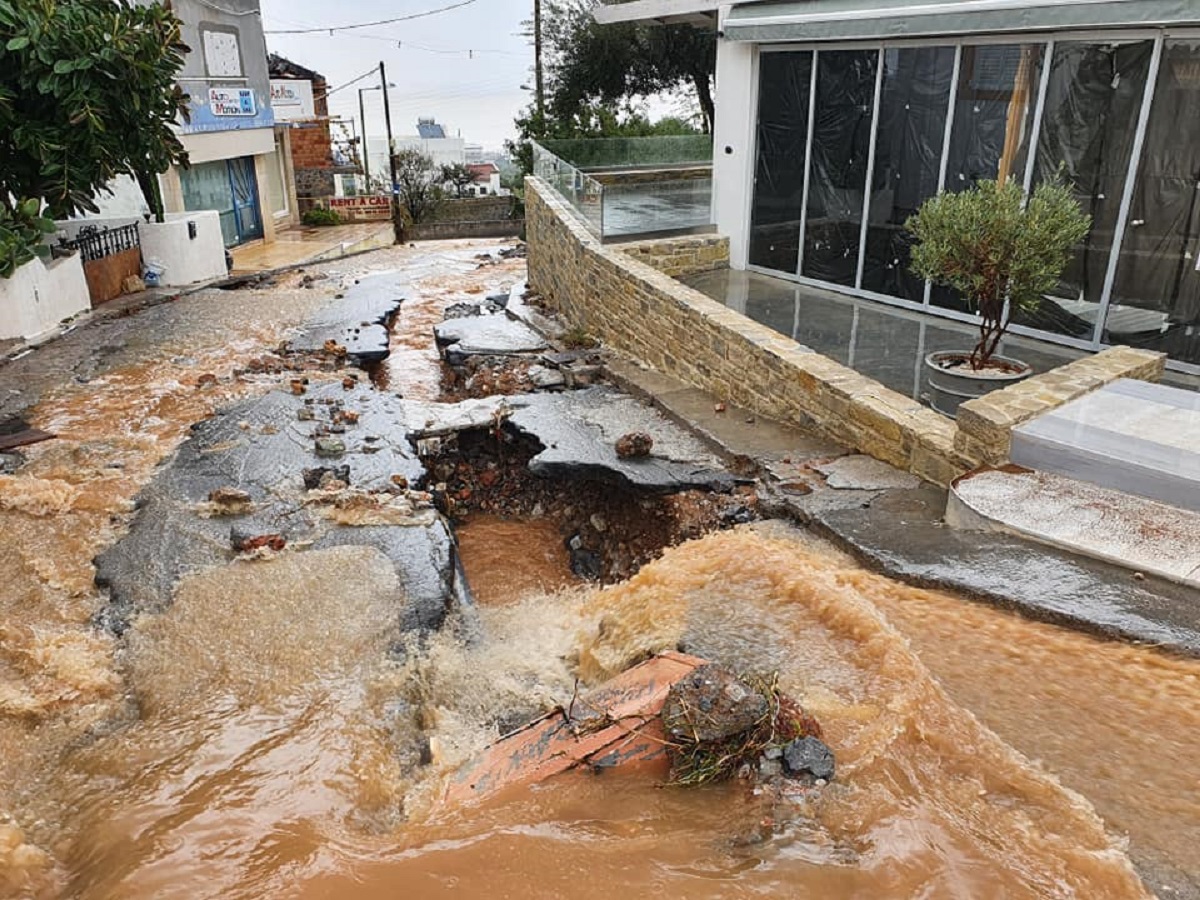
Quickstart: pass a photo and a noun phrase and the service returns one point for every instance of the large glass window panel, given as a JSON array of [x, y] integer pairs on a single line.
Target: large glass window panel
[[206, 186], [841, 146], [1093, 98], [1156, 297], [993, 117], [784, 86], [913, 105]]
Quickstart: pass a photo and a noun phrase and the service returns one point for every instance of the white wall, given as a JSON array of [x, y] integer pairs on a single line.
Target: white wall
[[213, 145], [40, 295], [187, 260], [733, 143]]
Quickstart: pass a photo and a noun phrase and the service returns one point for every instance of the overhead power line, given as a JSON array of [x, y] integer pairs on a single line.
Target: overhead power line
[[332, 28], [370, 71]]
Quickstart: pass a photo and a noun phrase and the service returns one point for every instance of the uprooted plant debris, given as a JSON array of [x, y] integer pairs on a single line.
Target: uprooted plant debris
[[720, 726]]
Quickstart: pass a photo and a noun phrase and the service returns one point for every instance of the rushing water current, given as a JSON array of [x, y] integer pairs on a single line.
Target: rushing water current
[[272, 734]]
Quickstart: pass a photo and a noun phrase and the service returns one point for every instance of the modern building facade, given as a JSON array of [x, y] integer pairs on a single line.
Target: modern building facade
[[836, 119]]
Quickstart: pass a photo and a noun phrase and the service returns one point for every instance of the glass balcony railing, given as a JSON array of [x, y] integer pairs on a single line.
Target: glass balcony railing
[[627, 187]]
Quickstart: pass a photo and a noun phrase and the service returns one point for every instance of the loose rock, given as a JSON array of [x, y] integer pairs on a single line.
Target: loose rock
[[329, 447], [316, 477], [635, 444], [230, 501], [711, 704], [808, 756]]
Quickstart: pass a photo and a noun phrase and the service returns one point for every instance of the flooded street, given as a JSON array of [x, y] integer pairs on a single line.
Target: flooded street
[[272, 731]]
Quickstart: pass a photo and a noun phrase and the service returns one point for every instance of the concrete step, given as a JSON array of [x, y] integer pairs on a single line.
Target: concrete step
[[1129, 436], [1084, 518]]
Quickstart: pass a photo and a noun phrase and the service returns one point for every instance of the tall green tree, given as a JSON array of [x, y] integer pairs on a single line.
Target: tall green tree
[[88, 92], [596, 74], [589, 64]]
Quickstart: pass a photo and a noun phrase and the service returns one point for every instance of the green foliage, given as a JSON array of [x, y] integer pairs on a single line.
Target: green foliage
[[993, 247], [87, 92], [578, 338], [22, 234], [459, 176], [419, 183], [319, 216], [595, 75]]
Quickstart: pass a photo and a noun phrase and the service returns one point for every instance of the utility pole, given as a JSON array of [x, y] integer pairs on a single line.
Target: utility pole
[[362, 118], [397, 221], [539, 83]]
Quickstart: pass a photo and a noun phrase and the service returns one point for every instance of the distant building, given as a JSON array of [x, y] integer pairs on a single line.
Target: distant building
[[298, 95], [486, 181]]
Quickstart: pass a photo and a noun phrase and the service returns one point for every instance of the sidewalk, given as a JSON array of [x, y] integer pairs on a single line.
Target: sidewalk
[[304, 244]]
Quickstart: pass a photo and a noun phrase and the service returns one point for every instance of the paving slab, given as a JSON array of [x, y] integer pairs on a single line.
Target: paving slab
[[1130, 436], [1084, 518], [578, 431], [260, 447], [358, 321], [864, 473], [492, 334], [902, 534], [726, 428]]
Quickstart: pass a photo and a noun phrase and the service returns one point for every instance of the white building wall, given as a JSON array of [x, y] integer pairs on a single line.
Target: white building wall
[[39, 295], [733, 143]]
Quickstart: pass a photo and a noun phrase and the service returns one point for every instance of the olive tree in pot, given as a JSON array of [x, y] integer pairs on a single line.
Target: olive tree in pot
[[1003, 254]]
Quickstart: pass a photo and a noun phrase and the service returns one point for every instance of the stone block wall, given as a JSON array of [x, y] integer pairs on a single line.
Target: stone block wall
[[985, 425], [623, 294], [677, 330], [682, 256], [475, 209]]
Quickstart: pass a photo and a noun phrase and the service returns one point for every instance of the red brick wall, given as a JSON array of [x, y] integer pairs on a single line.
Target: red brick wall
[[310, 138]]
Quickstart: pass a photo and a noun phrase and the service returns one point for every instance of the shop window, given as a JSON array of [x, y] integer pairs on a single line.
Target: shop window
[[841, 143], [782, 138], [1156, 297], [1089, 120], [993, 118], [913, 105]]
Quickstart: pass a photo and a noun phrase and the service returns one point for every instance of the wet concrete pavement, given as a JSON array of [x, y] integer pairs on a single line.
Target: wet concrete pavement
[[896, 527]]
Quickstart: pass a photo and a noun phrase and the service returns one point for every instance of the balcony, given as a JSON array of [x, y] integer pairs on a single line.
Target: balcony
[[632, 188]]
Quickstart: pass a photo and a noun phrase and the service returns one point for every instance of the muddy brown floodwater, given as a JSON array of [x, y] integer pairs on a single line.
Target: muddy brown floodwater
[[508, 559], [264, 737]]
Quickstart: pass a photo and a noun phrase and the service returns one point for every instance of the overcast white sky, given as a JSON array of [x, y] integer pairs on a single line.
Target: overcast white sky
[[427, 59]]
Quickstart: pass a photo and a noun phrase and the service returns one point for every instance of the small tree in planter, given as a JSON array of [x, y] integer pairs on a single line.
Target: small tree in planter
[[1002, 254]]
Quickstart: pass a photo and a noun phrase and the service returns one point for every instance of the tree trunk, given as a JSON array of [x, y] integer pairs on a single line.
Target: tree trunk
[[703, 85], [152, 193]]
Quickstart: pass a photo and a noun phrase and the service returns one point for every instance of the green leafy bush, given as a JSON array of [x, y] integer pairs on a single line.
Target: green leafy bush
[[22, 232], [88, 91], [993, 247], [319, 215]]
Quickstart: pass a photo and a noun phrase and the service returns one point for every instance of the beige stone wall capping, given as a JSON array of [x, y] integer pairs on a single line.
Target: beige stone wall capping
[[628, 296]]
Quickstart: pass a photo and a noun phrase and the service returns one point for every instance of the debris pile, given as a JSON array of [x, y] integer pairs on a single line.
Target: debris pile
[[721, 726]]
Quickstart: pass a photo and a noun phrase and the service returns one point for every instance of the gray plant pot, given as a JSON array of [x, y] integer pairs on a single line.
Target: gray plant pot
[[950, 387]]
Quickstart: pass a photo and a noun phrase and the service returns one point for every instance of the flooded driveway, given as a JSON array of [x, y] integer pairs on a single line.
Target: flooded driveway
[[273, 729]]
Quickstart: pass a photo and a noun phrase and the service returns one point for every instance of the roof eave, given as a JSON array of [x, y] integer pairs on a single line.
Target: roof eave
[[701, 13]]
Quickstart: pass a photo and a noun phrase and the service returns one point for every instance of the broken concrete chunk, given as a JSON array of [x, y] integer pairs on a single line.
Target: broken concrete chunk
[[808, 756], [544, 378], [711, 704], [320, 476], [229, 500]]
